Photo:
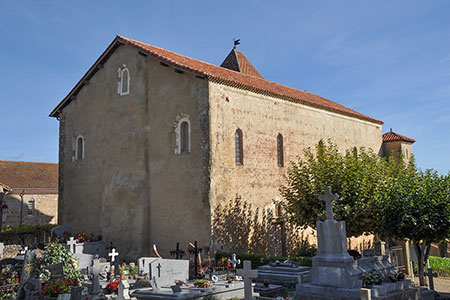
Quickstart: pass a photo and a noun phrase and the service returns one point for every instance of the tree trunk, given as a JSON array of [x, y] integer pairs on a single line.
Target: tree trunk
[[422, 252]]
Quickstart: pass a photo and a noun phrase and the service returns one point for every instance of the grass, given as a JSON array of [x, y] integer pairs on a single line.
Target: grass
[[438, 264]]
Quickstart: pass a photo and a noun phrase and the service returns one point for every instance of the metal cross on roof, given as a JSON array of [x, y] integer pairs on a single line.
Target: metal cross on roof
[[328, 197]]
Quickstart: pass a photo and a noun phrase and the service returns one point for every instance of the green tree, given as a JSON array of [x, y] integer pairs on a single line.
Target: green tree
[[357, 176], [417, 207]]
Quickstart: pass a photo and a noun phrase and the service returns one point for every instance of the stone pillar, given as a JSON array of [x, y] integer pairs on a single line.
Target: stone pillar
[[366, 294], [407, 256]]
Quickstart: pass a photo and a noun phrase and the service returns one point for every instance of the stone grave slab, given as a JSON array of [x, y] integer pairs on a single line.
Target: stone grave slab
[[285, 274], [59, 230], [167, 271], [219, 290]]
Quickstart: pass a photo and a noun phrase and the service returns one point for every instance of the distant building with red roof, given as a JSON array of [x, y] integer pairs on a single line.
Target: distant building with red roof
[[30, 192], [152, 141]]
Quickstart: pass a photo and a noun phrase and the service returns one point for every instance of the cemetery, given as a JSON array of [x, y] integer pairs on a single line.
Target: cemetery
[[80, 267]]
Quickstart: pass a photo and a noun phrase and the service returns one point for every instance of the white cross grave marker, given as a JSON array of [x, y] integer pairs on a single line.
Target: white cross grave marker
[[233, 261], [247, 273], [72, 245], [328, 197], [113, 254]]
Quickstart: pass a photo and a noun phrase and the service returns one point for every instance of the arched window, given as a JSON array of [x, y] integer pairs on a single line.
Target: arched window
[[124, 81], [239, 147], [79, 148], [183, 135], [31, 207], [184, 138], [280, 150]]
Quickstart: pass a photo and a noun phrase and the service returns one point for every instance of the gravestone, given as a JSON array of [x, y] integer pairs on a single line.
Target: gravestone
[[30, 289], [64, 297], [287, 274], [167, 271], [336, 275], [123, 291], [56, 271], [248, 274], [59, 230], [96, 269], [78, 293], [154, 284], [2, 248], [143, 264], [72, 245]]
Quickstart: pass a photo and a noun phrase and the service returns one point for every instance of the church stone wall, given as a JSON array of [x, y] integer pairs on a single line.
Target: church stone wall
[[261, 118], [131, 187]]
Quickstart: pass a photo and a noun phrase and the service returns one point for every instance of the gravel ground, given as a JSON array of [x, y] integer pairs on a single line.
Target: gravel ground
[[441, 284]]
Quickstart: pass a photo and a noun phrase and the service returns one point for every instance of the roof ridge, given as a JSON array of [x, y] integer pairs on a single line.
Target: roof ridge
[[28, 162], [220, 75]]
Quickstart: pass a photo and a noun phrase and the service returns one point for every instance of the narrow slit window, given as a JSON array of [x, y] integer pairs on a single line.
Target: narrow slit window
[[184, 137], [280, 150], [79, 150], [239, 147]]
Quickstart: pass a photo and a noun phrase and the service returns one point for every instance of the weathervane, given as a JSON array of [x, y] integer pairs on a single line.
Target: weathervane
[[236, 42]]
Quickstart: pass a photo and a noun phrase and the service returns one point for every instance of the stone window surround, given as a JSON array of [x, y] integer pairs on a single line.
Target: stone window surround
[[79, 139], [182, 118], [31, 207], [120, 85]]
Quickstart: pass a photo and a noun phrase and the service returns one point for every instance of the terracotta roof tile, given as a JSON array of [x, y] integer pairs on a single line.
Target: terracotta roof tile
[[21, 174], [237, 61], [394, 137], [220, 75]]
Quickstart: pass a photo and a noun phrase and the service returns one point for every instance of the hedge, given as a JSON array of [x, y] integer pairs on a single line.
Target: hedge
[[10, 233], [261, 259]]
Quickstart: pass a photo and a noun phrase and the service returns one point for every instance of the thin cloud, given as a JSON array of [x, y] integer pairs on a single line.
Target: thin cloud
[[16, 156]]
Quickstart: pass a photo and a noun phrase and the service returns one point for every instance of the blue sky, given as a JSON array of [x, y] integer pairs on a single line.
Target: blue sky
[[387, 59]]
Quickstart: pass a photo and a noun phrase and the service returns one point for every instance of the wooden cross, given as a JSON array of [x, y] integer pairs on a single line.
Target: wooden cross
[[196, 251], [177, 253], [113, 254], [233, 261], [430, 276], [159, 269], [328, 197], [247, 273], [72, 245]]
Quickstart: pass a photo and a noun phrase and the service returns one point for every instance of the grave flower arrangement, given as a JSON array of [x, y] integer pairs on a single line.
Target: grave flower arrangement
[[225, 262], [201, 283], [55, 253], [128, 270], [59, 286], [84, 237], [113, 285]]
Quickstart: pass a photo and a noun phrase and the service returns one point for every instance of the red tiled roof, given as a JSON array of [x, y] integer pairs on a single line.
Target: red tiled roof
[[237, 61], [22, 174], [220, 75], [394, 137]]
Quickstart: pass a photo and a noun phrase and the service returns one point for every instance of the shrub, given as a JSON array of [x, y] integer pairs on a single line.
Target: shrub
[[441, 265]]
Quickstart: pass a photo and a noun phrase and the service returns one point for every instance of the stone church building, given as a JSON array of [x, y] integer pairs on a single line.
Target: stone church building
[[151, 141]]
